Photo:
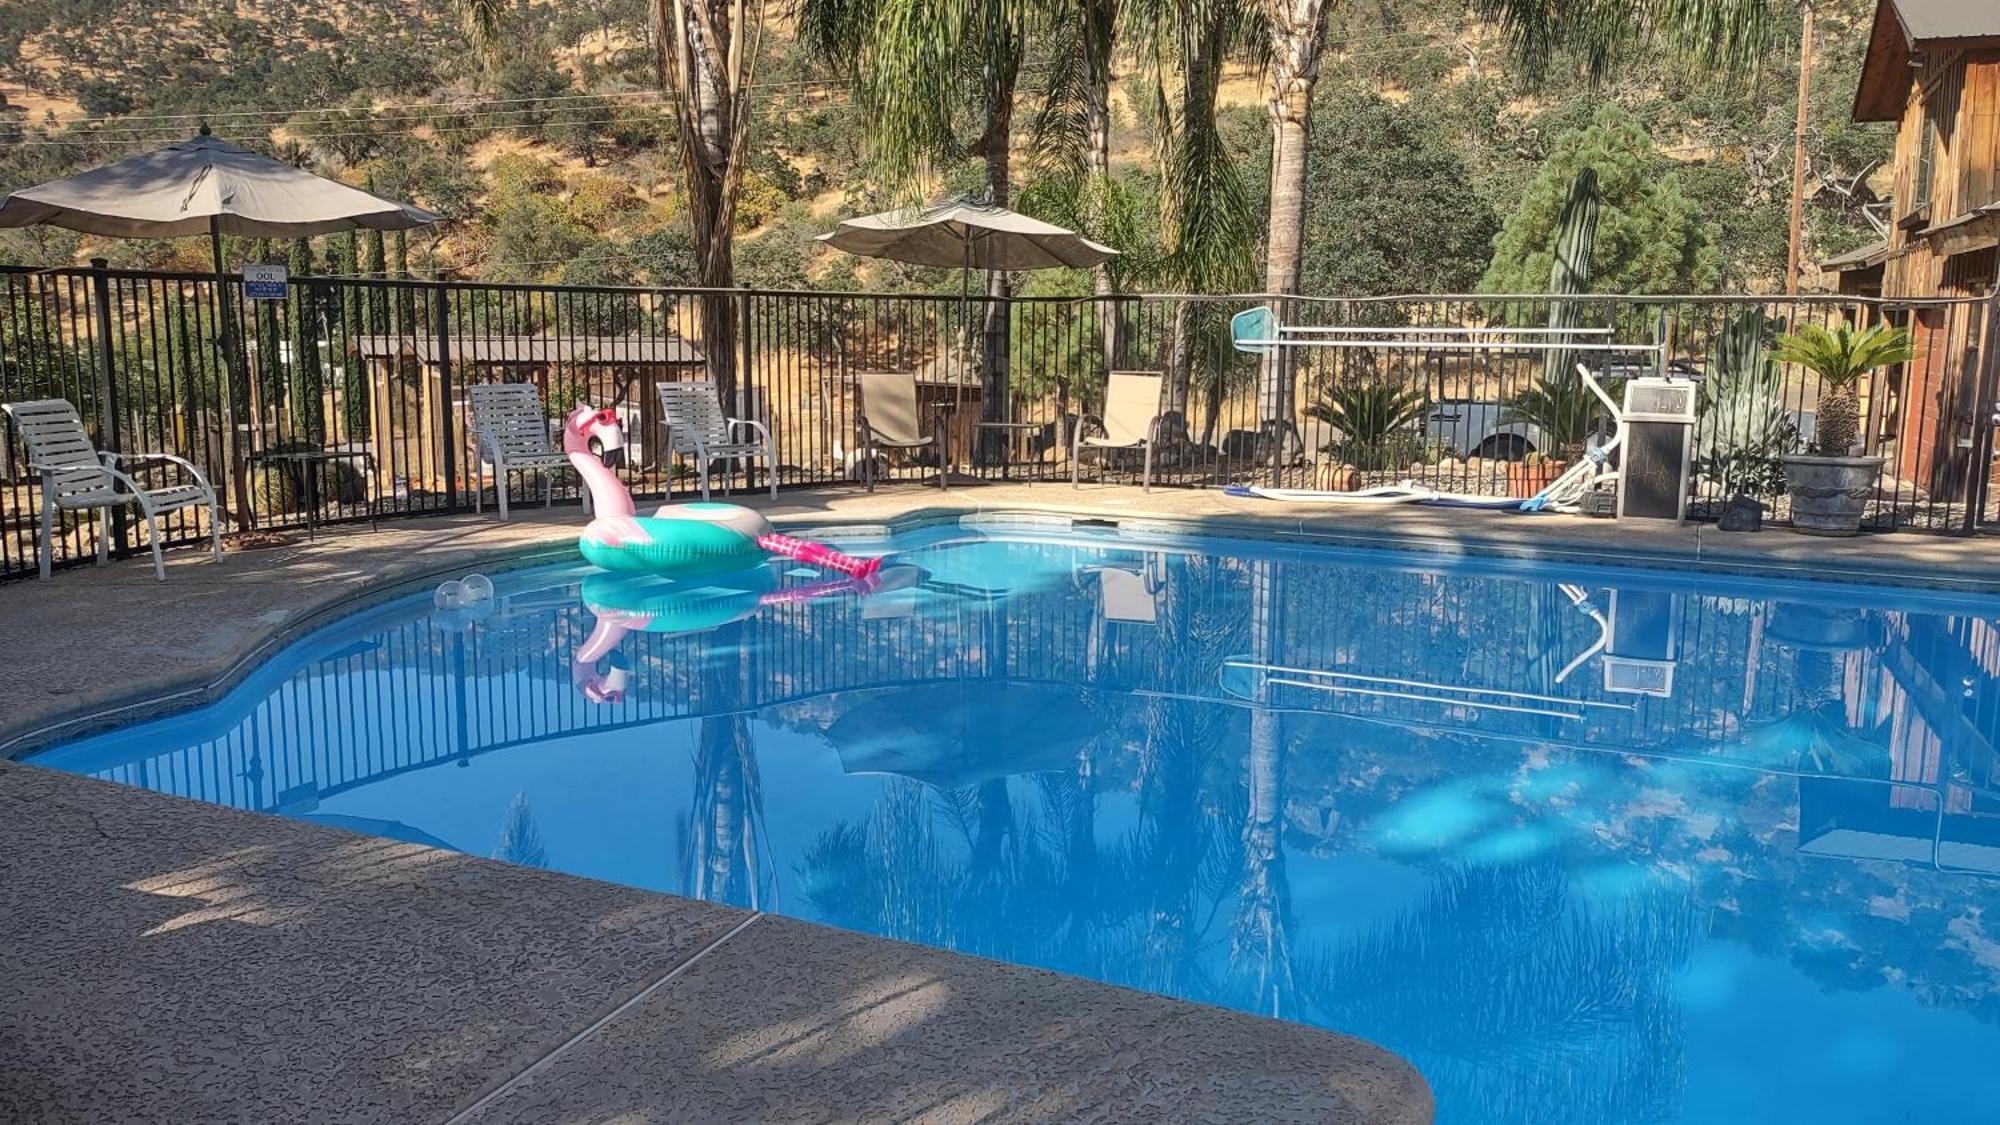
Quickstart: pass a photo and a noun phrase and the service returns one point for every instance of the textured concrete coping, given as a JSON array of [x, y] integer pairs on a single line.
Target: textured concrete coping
[[172, 961]]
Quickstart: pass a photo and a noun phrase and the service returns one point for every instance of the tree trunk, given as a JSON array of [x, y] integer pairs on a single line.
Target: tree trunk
[[1177, 391], [1099, 18], [995, 143], [1261, 935], [704, 53], [1296, 28]]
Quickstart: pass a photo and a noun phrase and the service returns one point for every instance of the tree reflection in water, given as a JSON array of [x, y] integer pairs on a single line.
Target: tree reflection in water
[[1515, 994], [722, 854]]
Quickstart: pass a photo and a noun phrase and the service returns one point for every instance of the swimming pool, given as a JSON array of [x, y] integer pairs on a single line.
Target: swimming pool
[[1583, 844]]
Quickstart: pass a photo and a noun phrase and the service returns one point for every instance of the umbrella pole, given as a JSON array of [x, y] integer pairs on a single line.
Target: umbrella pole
[[964, 348], [239, 468]]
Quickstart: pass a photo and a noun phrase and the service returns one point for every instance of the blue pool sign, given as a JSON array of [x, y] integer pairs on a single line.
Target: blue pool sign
[[264, 283]]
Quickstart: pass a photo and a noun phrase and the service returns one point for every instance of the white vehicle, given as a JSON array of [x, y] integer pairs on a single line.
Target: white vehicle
[[1474, 428], [1477, 428]]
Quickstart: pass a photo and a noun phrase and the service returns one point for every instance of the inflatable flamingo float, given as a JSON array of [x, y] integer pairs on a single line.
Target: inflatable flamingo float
[[693, 540], [638, 603]]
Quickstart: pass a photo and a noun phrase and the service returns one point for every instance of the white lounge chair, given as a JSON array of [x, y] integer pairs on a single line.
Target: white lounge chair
[[1131, 421], [510, 432], [697, 427], [76, 476], [886, 417]]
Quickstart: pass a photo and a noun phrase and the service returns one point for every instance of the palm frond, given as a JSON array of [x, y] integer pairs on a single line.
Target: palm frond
[[1843, 355], [1723, 39]]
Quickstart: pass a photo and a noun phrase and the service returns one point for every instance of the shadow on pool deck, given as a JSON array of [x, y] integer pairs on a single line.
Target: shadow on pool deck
[[172, 960]]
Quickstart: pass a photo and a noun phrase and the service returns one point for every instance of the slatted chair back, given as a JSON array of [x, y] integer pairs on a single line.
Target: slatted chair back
[[889, 402], [54, 434], [509, 418], [1131, 402], [693, 412]]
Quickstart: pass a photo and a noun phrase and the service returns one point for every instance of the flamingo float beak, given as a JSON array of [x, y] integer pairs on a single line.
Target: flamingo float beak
[[610, 437]]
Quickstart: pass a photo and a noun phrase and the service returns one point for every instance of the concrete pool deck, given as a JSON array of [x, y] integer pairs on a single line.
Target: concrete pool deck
[[173, 960]]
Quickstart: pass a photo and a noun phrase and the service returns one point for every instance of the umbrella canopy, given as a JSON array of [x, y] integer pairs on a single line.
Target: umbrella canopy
[[204, 185], [969, 235], [962, 732]]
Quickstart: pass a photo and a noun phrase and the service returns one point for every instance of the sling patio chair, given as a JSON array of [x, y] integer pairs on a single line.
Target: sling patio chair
[[76, 476], [510, 432], [1131, 421], [697, 427], [886, 417]]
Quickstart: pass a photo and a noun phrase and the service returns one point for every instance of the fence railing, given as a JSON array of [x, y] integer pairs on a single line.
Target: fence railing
[[372, 373]]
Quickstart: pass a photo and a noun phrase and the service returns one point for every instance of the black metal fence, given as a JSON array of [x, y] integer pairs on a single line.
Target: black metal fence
[[346, 400]]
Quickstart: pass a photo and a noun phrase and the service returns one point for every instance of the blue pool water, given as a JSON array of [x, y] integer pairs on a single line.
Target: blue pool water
[[1585, 845]]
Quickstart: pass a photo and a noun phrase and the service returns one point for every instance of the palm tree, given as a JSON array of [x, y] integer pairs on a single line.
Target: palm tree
[[1370, 417], [912, 64], [1840, 358], [1071, 141], [1564, 409], [1295, 32], [1205, 219], [723, 857], [520, 840], [1723, 38], [1261, 939]]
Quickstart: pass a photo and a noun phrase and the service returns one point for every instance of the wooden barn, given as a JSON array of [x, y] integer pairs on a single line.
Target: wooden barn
[[1933, 66]]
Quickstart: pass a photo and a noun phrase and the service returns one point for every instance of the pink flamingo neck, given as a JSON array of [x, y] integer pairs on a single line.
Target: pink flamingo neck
[[609, 498]]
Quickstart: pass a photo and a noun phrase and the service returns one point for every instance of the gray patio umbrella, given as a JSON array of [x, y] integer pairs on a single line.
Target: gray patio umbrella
[[205, 185], [967, 234]]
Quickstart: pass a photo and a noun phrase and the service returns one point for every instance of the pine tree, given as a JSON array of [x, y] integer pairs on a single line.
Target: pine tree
[[309, 381], [1650, 235], [343, 262]]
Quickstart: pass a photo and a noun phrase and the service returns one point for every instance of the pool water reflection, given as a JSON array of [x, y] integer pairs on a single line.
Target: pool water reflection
[[1584, 845]]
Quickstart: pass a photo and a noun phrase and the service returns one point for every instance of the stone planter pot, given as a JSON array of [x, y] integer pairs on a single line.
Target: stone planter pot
[[1819, 628], [1829, 493]]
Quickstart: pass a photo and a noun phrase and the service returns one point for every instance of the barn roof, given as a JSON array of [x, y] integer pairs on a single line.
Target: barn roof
[[1902, 28]]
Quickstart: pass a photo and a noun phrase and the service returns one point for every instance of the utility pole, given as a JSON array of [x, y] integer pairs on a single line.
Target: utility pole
[[1799, 155]]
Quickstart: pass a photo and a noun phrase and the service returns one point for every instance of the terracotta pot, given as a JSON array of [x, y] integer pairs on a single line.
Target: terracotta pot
[[1336, 478], [1829, 494], [1525, 478]]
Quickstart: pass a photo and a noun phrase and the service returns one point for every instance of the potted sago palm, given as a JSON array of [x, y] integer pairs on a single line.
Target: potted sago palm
[[1829, 486]]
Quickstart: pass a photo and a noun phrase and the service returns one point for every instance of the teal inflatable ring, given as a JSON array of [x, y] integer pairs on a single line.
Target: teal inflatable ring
[[677, 607], [670, 548]]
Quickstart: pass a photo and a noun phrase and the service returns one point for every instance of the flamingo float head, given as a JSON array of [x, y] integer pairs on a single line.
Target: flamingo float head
[[586, 423]]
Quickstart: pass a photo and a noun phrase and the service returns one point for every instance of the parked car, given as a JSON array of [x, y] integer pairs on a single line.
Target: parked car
[[1477, 428], [1474, 428]]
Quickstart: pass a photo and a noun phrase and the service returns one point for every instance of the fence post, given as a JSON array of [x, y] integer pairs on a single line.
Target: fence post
[[1979, 472], [441, 338], [745, 398], [110, 432]]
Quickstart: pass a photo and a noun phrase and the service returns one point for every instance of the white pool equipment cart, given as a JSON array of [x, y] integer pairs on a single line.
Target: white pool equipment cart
[[1659, 418]]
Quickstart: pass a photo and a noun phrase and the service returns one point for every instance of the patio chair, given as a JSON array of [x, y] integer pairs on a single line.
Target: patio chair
[[76, 476], [696, 426], [1127, 593], [510, 432], [886, 417], [1131, 421]]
